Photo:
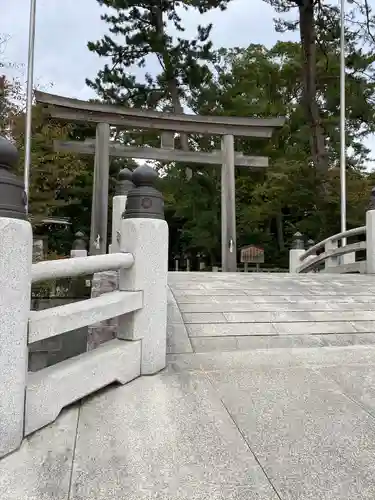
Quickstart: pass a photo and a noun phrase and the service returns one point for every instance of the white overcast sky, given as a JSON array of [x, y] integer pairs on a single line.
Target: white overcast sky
[[63, 28]]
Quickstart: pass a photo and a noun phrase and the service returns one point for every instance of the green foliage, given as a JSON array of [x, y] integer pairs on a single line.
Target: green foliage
[[52, 175], [143, 27], [274, 204]]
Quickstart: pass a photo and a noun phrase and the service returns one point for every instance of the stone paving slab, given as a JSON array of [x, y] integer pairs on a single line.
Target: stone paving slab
[[230, 343], [276, 424], [298, 316], [312, 441], [282, 358], [205, 317], [347, 339], [250, 306], [165, 437], [228, 299], [278, 342], [178, 341], [181, 294], [364, 326], [278, 279], [314, 327], [357, 382], [230, 329], [177, 337], [41, 468], [207, 344], [298, 328], [243, 306]]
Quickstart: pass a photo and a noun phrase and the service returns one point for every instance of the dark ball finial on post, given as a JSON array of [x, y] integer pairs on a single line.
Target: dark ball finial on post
[[144, 200], [124, 182], [371, 205], [298, 241], [79, 243], [12, 190]]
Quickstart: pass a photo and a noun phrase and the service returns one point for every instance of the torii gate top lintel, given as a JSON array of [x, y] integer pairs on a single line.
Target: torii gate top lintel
[[84, 111]]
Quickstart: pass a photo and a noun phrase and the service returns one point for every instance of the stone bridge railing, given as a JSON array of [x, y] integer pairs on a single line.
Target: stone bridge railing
[[335, 254], [30, 400]]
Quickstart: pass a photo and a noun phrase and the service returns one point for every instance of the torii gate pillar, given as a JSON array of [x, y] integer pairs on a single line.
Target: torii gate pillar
[[228, 207]]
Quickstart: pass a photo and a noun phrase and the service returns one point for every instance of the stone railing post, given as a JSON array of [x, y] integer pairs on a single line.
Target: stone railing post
[[79, 247], [331, 261], [144, 233], [107, 281], [370, 235], [16, 243], [298, 249], [123, 186], [310, 243]]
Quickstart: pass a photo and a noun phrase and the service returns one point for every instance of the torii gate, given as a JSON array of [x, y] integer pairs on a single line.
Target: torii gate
[[105, 115]]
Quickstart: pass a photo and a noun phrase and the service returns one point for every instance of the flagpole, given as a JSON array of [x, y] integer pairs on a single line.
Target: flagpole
[[29, 99], [342, 122]]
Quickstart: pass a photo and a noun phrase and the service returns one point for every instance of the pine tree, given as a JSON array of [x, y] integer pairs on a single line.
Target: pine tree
[[143, 25], [317, 17]]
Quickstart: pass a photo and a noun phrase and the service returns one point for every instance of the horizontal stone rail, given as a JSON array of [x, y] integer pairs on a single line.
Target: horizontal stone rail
[[140, 256], [56, 320], [52, 388], [357, 231], [350, 267], [78, 266], [334, 254], [329, 254]]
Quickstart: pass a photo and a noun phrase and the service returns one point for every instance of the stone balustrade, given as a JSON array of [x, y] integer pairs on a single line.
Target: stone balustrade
[[335, 254], [31, 400]]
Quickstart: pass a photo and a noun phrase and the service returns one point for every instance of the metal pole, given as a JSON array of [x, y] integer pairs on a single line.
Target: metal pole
[[29, 99], [342, 122]]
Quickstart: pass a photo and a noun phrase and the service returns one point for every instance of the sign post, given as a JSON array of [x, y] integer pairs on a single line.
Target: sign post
[[252, 254]]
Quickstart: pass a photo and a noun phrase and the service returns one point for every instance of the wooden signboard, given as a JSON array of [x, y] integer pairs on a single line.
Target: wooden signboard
[[252, 254]]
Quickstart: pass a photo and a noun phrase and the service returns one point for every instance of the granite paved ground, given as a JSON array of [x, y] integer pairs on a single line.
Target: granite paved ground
[[277, 424], [249, 424], [225, 312]]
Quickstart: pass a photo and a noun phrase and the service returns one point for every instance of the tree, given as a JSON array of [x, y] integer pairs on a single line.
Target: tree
[[193, 210], [307, 29], [317, 20], [272, 205], [54, 177], [11, 92], [144, 27]]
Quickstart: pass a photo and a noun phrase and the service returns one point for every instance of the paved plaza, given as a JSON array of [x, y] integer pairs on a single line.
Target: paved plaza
[[261, 400]]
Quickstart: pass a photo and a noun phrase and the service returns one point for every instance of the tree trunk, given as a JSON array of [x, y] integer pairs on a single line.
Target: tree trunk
[[172, 83], [170, 72], [280, 231], [177, 108], [307, 33]]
